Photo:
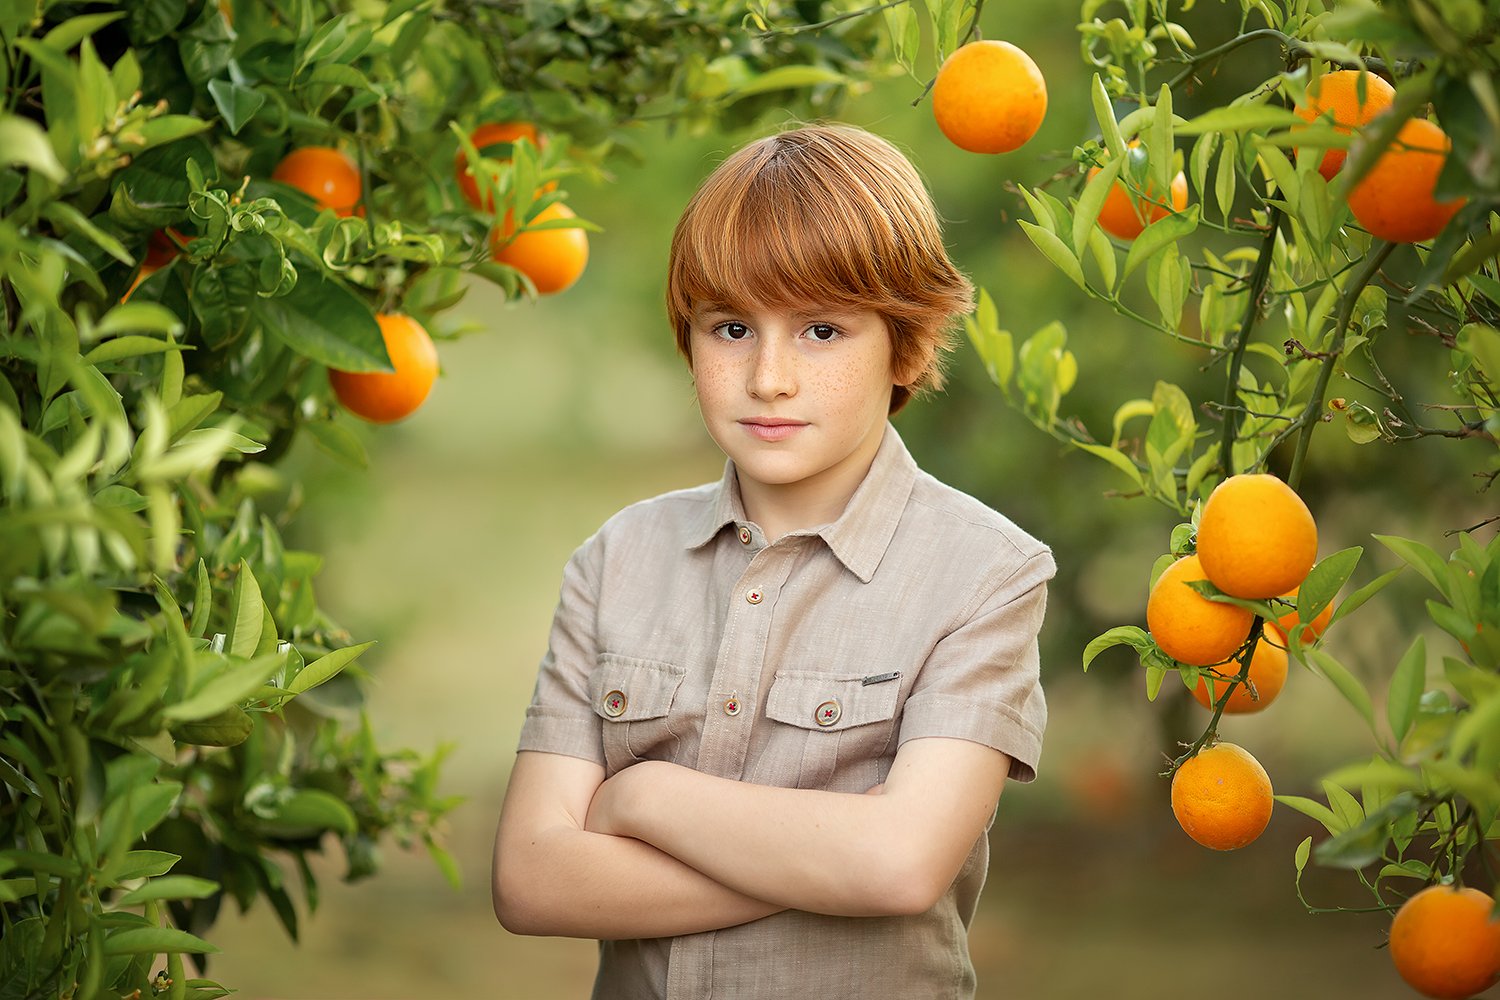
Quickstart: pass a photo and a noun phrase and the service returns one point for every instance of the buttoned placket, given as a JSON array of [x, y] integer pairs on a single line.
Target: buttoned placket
[[738, 681]]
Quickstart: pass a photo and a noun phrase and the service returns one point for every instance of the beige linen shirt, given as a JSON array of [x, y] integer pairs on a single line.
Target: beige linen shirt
[[681, 635]]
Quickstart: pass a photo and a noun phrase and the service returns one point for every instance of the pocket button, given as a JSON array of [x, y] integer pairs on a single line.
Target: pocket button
[[614, 704], [827, 713]]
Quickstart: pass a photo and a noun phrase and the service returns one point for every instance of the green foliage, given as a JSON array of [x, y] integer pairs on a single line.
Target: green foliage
[[180, 720], [1291, 294]]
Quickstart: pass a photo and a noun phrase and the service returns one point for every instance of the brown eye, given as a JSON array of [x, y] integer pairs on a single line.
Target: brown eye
[[732, 331], [823, 333]]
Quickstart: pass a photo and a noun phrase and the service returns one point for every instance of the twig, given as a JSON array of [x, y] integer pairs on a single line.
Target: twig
[[1258, 279], [1309, 417]]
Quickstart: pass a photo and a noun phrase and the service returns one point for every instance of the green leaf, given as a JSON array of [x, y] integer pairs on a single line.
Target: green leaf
[[233, 685], [1114, 457], [1405, 693], [1086, 213], [1325, 580], [145, 864], [1104, 113], [1481, 718], [202, 602], [323, 320], [130, 347], [1055, 250], [170, 887], [247, 613], [155, 940], [1245, 118], [787, 78], [237, 104], [307, 812], [1121, 635], [1419, 557], [325, 667], [227, 728], [1166, 230], [1313, 808], [1347, 684], [1304, 849]]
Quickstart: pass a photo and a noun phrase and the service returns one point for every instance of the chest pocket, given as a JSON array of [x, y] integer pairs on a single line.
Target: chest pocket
[[634, 698], [843, 723]]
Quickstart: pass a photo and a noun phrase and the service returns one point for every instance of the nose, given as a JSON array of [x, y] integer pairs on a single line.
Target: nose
[[772, 370]]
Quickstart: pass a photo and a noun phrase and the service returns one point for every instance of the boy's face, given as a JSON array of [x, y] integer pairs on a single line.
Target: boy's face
[[797, 397]]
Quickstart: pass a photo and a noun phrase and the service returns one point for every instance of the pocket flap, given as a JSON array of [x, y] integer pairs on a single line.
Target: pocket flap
[[628, 689], [830, 702]]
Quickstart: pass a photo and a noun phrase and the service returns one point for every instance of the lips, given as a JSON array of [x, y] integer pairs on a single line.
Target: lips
[[772, 428]]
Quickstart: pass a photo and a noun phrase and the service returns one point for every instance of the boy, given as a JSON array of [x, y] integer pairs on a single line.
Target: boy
[[776, 712]]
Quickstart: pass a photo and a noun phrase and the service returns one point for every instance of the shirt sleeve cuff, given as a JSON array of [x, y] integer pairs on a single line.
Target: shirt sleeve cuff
[[996, 726]]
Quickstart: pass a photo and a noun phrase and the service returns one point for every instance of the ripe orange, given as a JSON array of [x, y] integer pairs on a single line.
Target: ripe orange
[[384, 397], [552, 258], [1188, 626], [1222, 797], [159, 253], [1267, 675], [1338, 92], [486, 138], [323, 173], [1125, 216], [1256, 537], [1313, 629], [1445, 943], [1395, 201], [989, 97]]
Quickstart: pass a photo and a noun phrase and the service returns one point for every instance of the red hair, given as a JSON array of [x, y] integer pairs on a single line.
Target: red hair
[[829, 215]]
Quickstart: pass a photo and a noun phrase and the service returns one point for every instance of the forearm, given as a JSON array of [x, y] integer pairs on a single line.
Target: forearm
[[553, 877], [825, 852]]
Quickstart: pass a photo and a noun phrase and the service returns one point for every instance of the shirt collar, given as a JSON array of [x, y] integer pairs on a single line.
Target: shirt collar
[[861, 534]]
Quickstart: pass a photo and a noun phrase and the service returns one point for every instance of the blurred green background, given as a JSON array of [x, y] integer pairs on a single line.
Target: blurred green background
[[550, 416]]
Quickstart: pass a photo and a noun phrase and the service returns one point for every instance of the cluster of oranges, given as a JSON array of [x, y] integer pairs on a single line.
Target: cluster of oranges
[[1256, 540], [552, 258], [1395, 200], [332, 180]]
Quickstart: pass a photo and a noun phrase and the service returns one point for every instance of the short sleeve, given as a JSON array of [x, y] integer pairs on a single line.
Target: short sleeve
[[982, 681], [560, 718]]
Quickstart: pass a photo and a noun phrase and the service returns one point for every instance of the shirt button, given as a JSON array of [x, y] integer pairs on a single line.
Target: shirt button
[[732, 705], [745, 536], [754, 596], [827, 713], [614, 704]]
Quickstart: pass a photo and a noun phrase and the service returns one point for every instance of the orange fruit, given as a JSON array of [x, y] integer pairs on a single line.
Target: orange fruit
[[1445, 942], [1395, 200], [1338, 92], [1221, 797], [1125, 216], [989, 97], [1188, 626], [1256, 537], [1310, 631], [159, 253], [323, 173], [485, 138], [552, 258], [384, 397], [1267, 675]]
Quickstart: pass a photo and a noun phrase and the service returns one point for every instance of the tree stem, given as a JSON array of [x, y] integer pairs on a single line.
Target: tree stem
[[1309, 418], [1258, 279]]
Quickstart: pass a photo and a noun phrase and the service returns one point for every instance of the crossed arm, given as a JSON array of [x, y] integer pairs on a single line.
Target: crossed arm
[[661, 849]]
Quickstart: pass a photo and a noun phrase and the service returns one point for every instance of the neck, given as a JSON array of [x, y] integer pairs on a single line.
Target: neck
[[782, 508]]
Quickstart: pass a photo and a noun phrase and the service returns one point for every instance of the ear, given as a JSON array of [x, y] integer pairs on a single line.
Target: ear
[[908, 372]]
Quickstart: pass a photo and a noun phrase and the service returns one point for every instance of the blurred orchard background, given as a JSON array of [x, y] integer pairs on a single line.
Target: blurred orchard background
[[551, 415]]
